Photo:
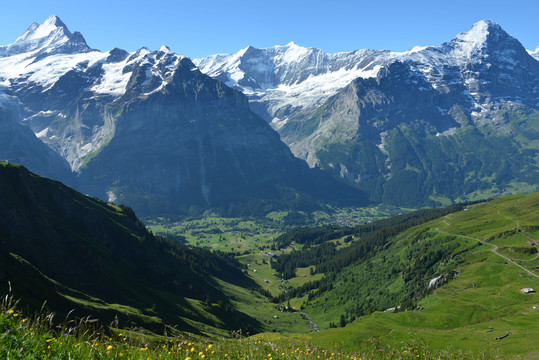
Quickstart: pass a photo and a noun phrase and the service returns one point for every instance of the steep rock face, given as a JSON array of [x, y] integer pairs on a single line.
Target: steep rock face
[[21, 146], [194, 142], [148, 129], [433, 124]]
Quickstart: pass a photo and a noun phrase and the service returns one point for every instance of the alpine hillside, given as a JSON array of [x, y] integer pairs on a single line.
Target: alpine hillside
[[427, 126], [77, 252], [148, 129]]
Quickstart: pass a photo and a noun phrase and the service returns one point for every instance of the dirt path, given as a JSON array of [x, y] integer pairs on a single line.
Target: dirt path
[[494, 250]]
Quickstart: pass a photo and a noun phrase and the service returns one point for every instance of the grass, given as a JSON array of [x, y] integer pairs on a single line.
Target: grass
[[250, 235], [40, 337], [481, 304]]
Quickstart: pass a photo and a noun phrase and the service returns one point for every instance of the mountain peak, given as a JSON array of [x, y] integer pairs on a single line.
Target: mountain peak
[[164, 49], [51, 37], [480, 32], [483, 38], [36, 31]]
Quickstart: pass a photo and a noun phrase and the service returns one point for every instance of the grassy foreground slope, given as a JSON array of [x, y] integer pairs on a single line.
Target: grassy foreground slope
[[77, 252], [481, 309]]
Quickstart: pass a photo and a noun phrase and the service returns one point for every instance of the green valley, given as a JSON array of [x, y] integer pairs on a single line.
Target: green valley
[[433, 283]]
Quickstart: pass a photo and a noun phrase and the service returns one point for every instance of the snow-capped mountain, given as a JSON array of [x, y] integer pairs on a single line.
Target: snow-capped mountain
[[290, 82], [51, 37], [409, 128], [147, 128]]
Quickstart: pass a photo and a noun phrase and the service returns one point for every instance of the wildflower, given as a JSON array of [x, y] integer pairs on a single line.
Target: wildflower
[[10, 312], [188, 358], [15, 315], [202, 356], [109, 348], [210, 346], [77, 344], [200, 353], [23, 321], [192, 349]]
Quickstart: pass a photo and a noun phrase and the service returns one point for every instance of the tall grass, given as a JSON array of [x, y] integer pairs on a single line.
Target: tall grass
[[42, 337]]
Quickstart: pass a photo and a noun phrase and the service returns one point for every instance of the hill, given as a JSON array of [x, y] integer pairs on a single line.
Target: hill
[[449, 283], [77, 252]]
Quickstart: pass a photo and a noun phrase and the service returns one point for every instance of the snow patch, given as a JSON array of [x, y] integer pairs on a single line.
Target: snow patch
[[43, 133], [111, 196], [448, 132], [87, 148]]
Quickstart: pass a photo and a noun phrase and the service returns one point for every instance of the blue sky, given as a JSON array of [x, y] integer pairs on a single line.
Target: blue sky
[[200, 27]]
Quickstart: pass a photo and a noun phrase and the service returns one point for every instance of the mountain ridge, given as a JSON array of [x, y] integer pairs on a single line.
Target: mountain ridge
[[233, 69], [483, 79], [198, 143]]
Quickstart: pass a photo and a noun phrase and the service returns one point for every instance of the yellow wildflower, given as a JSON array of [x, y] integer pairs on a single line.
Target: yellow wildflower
[[109, 348]]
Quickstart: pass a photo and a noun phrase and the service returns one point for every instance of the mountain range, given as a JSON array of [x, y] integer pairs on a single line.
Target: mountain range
[[148, 129], [164, 134], [429, 125]]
